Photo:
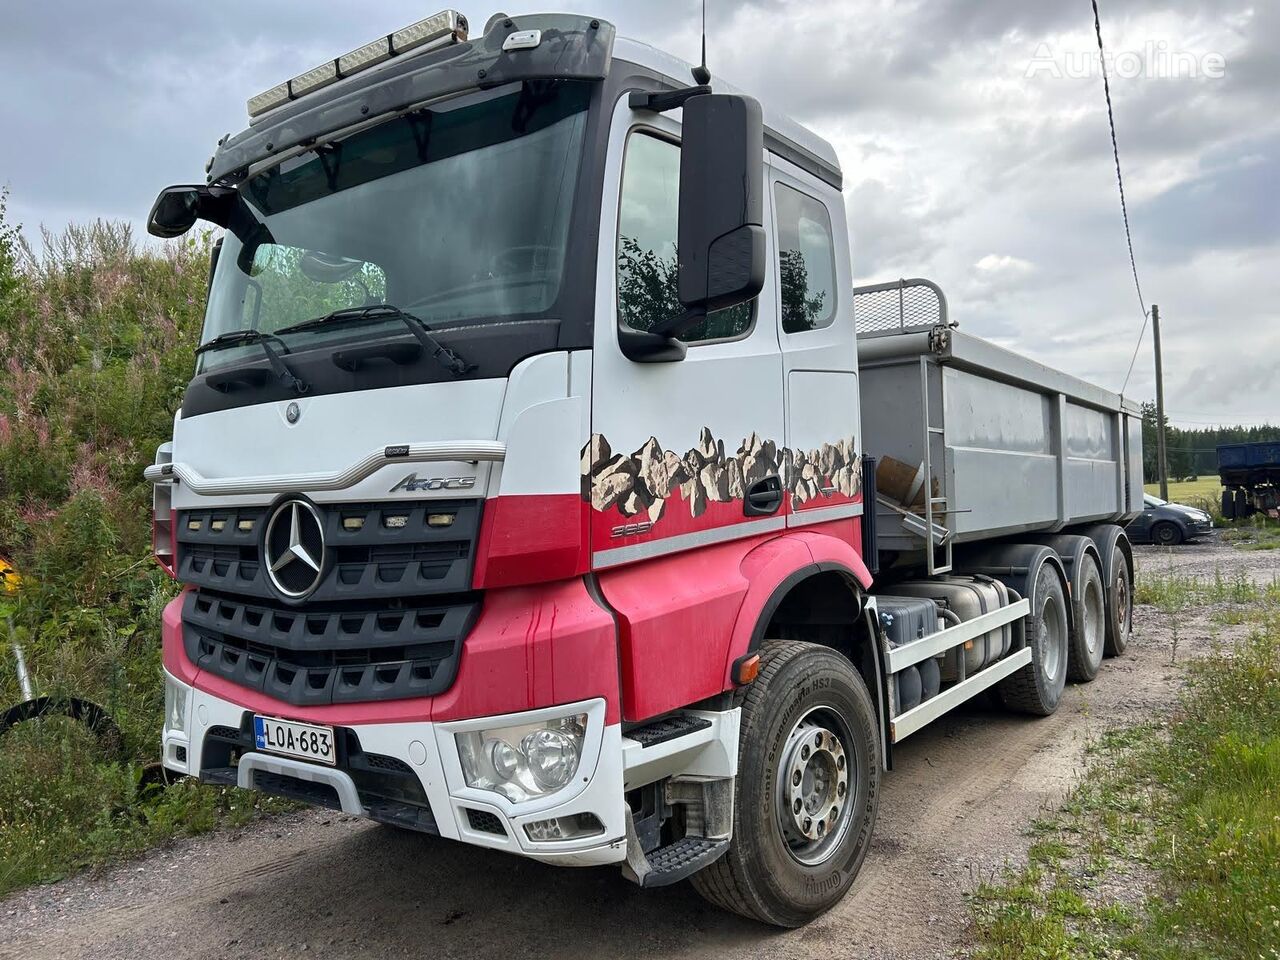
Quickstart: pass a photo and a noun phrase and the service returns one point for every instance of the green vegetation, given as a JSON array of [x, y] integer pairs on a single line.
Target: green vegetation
[[1194, 453], [1193, 493], [96, 340], [1171, 591], [1168, 849], [1256, 533]]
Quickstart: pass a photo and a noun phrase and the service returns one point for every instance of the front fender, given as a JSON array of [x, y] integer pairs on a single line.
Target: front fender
[[775, 568]]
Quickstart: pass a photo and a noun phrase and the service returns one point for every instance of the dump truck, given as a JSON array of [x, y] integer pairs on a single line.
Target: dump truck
[[1250, 475], [544, 482]]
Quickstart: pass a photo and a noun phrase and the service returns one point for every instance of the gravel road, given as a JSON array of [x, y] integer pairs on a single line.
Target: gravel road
[[952, 812]]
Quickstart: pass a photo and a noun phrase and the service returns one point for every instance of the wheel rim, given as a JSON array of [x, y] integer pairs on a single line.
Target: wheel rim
[[1053, 630], [817, 786], [1164, 536], [1094, 617], [1123, 605]]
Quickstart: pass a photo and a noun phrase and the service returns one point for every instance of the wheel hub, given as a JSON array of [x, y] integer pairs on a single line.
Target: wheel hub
[[816, 785]]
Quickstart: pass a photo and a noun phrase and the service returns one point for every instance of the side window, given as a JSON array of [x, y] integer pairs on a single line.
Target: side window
[[647, 229], [806, 261]]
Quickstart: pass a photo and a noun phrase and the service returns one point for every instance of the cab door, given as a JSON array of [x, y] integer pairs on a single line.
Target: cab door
[[819, 351], [677, 448], [682, 472]]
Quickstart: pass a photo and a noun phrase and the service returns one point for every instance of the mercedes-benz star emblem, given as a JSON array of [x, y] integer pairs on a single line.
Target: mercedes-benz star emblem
[[292, 412], [294, 548]]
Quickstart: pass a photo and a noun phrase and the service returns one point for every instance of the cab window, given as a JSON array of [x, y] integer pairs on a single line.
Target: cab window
[[647, 229], [806, 261]]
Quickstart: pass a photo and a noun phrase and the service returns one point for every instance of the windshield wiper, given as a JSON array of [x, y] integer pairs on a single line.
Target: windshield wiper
[[447, 358], [237, 338]]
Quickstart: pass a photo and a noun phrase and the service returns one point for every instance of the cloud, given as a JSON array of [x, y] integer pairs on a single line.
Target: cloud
[[958, 166]]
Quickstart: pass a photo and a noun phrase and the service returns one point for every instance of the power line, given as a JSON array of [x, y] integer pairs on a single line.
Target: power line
[[1124, 206]]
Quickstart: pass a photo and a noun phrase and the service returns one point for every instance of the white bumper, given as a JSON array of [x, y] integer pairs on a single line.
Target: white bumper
[[429, 750]]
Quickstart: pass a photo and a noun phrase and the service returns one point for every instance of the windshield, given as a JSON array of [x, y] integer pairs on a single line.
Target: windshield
[[458, 213], [1154, 501]]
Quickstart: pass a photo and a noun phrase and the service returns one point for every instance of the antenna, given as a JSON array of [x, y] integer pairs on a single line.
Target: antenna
[[701, 75]]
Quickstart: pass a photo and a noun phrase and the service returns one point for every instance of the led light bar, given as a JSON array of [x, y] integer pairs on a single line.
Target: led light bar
[[442, 29]]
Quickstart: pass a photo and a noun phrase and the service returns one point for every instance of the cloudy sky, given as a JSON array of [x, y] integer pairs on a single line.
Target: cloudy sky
[[972, 132]]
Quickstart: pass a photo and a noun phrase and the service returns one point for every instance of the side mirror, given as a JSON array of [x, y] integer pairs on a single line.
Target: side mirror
[[721, 234], [178, 208]]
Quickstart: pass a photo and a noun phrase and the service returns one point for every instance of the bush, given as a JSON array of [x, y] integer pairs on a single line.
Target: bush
[[97, 334]]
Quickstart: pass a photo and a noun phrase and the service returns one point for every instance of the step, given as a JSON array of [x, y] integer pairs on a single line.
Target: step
[[675, 862], [668, 728]]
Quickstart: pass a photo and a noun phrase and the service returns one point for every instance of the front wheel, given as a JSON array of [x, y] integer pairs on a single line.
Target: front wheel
[[806, 791], [1166, 534]]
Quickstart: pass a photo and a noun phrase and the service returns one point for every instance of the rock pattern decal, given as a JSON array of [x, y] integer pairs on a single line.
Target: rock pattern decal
[[644, 482]]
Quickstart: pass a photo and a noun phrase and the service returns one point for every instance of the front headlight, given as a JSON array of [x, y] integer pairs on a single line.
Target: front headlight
[[525, 761], [175, 706]]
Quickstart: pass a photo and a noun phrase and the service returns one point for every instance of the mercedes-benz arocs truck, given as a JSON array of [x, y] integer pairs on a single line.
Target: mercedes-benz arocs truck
[[544, 482]]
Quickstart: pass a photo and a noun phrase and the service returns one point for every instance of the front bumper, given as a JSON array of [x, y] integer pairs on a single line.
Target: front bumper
[[200, 737]]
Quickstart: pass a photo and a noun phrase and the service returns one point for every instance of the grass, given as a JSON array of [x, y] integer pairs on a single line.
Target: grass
[[1169, 849], [1171, 591], [1256, 533], [1191, 492]]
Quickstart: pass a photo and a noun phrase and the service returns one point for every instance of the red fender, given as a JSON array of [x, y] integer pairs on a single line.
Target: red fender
[[775, 567]]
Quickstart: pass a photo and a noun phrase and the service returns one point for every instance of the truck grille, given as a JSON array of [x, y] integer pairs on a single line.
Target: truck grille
[[374, 550], [323, 654]]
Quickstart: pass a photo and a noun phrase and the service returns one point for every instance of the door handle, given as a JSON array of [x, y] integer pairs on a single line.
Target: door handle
[[763, 498]]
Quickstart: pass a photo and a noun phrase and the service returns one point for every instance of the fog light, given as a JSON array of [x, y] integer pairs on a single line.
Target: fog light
[[244, 526], [353, 523], [440, 519], [193, 524], [217, 526], [564, 828]]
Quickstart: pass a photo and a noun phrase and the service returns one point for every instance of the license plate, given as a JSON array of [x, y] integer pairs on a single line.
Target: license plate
[[305, 741]]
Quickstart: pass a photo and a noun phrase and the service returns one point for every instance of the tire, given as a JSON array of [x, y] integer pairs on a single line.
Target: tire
[[1242, 505], [807, 714], [1228, 505], [1119, 604], [1166, 534], [1037, 688], [1089, 623]]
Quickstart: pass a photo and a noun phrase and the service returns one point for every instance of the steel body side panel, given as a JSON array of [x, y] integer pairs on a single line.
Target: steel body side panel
[[1012, 445]]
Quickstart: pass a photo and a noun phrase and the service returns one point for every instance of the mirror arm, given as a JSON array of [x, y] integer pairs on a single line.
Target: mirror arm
[[674, 326], [667, 100]]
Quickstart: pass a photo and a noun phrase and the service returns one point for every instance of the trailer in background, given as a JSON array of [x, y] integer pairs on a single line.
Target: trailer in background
[[1250, 474]]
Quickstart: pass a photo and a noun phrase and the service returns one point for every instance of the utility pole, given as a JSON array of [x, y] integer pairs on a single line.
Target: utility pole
[[1163, 460]]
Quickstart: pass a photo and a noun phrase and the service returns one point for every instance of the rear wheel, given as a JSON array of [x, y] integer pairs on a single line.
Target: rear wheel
[[1228, 505], [1090, 621], [1037, 687], [806, 791], [1166, 534], [1242, 505], [1119, 604]]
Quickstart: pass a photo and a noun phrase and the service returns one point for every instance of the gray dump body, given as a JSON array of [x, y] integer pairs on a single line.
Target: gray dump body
[[1011, 446]]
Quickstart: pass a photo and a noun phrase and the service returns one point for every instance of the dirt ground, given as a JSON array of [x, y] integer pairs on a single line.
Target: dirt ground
[[953, 811]]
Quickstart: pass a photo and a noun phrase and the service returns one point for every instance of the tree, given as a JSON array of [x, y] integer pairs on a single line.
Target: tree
[[10, 243], [647, 285], [800, 311]]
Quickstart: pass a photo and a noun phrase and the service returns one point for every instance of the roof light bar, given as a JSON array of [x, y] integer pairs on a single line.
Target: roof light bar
[[445, 27]]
